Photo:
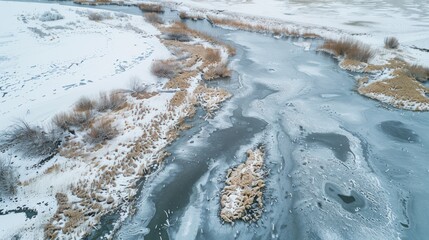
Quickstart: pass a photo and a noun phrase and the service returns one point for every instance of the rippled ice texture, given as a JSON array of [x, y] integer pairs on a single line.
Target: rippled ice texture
[[340, 165]]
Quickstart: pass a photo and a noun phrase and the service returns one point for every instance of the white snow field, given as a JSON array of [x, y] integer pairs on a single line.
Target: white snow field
[[45, 66], [50, 56]]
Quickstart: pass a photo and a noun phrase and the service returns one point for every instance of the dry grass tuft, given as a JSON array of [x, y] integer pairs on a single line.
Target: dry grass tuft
[[418, 72], [217, 71], [53, 169], [114, 101], [180, 81], [185, 15], [153, 18], [137, 86], [242, 196], [178, 98], [101, 131], [212, 56], [99, 16], [66, 121], [348, 48], [151, 7], [401, 88], [8, 179], [391, 43], [30, 140], [181, 29], [84, 104], [165, 68]]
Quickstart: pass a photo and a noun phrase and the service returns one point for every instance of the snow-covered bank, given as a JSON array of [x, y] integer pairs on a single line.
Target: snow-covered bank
[[369, 22], [45, 66]]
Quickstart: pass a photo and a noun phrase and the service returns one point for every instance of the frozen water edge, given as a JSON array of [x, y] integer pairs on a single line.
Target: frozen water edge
[[310, 192]]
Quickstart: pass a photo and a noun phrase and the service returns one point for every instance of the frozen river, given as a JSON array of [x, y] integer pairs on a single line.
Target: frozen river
[[340, 166]]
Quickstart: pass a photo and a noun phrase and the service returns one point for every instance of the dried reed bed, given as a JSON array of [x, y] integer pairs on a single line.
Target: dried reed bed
[[165, 68], [349, 49], [153, 18], [418, 72], [185, 15], [151, 7], [391, 43], [241, 197], [182, 28], [402, 87], [216, 71], [259, 28]]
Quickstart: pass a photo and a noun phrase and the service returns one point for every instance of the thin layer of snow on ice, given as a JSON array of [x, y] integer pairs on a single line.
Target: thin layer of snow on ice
[[45, 66]]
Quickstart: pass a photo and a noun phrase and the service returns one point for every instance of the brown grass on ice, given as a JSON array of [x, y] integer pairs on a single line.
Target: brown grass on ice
[[276, 31], [245, 184], [182, 28], [181, 81], [185, 15], [151, 7], [348, 48], [217, 71], [402, 87], [153, 18]]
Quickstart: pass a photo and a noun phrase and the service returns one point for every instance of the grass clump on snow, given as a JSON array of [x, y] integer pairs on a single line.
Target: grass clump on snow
[[419, 72], [217, 71], [99, 16], [165, 68], [153, 18], [101, 131], [151, 7], [8, 179], [391, 43], [30, 140], [112, 101], [84, 104], [349, 49]]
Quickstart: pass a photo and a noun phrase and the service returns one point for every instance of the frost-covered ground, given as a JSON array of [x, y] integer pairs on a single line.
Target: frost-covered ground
[[50, 56], [45, 66], [368, 21]]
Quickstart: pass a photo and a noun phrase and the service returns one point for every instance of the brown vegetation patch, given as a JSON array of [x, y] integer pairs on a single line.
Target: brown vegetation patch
[[165, 68], [113, 101], [401, 87], [210, 98], [185, 15], [353, 65], [178, 98], [348, 48], [212, 55], [101, 131], [153, 18], [217, 71], [181, 28], [418, 72], [391, 43], [53, 169], [181, 81], [261, 28], [151, 7], [84, 104], [242, 195], [145, 95]]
